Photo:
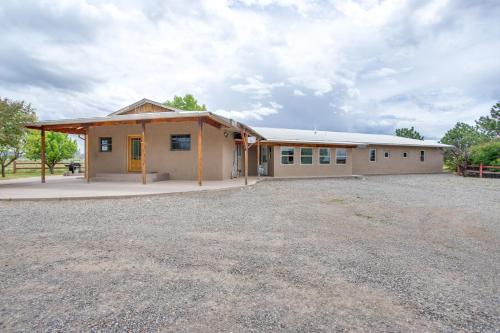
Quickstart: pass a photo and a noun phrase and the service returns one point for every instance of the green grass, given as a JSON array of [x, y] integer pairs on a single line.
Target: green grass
[[34, 173], [29, 173]]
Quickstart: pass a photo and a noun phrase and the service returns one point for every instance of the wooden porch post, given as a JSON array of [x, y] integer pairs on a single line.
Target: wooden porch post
[[42, 157], [143, 153], [87, 155], [245, 143], [258, 158], [200, 151]]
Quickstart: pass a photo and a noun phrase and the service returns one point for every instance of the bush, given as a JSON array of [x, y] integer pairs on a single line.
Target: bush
[[487, 153]]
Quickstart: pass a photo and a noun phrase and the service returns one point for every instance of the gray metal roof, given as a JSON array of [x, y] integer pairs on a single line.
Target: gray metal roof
[[326, 137]]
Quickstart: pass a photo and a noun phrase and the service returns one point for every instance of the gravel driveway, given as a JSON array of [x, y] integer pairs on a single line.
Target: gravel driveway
[[386, 253]]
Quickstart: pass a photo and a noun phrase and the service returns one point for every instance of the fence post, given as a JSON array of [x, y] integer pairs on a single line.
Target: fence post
[[481, 170], [14, 167]]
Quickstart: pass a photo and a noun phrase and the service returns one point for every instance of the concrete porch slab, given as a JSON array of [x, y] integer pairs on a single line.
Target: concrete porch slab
[[64, 188]]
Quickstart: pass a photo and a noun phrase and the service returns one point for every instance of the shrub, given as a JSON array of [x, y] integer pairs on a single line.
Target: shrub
[[486, 153]]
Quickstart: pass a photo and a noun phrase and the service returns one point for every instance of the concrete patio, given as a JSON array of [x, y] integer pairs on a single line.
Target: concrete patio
[[61, 187]]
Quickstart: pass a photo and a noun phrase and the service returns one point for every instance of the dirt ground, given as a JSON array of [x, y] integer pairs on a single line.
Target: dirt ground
[[385, 253]]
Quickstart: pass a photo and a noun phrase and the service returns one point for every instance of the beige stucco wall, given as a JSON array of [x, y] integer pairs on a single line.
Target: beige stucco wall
[[217, 150], [396, 163], [313, 170]]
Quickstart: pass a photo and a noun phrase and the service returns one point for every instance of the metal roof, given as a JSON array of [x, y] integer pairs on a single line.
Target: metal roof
[[282, 135], [326, 137]]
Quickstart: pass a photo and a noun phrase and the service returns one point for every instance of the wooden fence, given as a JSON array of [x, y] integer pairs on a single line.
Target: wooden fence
[[486, 171], [34, 166]]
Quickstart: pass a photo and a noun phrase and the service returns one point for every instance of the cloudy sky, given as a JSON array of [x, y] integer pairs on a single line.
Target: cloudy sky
[[364, 66]]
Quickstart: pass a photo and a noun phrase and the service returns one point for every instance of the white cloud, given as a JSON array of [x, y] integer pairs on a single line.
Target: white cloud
[[255, 87], [256, 112], [363, 65], [298, 92], [318, 85]]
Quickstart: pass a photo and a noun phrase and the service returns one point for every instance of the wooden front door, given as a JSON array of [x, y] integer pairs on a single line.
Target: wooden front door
[[134, 153]]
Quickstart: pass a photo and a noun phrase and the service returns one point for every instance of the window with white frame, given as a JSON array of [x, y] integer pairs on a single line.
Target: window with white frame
[[422, 156], [405, 154], [287, 155], [340, 156], [324, 156], [387, 154], [306, 156], [373, 155]]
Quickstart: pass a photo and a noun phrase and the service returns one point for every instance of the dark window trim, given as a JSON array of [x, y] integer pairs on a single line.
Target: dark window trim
[[109, 144], [177, 135]]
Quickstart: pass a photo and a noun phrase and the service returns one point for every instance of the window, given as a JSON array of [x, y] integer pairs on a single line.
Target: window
[[306, 156], [387, 154], [422, 156], [373, 155], [180, 142], [405, 155], [324, 156], [105, 145], [341, 156], [287, 155]]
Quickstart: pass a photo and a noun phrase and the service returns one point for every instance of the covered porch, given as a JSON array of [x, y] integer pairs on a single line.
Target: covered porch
[[140, 146]]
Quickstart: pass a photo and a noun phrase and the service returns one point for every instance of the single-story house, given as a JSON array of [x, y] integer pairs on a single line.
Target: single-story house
[[150, 141]]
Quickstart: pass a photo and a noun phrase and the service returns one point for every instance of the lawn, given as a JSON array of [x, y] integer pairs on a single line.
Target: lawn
[[24, 174]]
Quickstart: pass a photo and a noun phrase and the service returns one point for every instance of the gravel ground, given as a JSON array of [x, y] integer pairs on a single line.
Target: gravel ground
[[386, 253]]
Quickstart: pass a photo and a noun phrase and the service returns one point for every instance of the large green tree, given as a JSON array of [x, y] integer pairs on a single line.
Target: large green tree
[[14, 115], [490, 125], [462, 137], [409, 133], [58, 147], [486, 153], [187, 103]]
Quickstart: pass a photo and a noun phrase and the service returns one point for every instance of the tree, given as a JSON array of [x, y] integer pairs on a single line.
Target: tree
[[490, 125], [487, 153], [58, 147], [187, 103], [409, 133], [14, 115], [462, 137]]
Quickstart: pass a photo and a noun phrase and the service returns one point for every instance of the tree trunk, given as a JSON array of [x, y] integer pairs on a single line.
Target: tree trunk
[[464, 167], [3, 171], [51, 168]]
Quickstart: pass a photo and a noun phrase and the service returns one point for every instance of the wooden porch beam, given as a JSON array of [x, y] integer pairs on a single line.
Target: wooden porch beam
[[200, 151], [42, 157], [143, 153], [77, 126]]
